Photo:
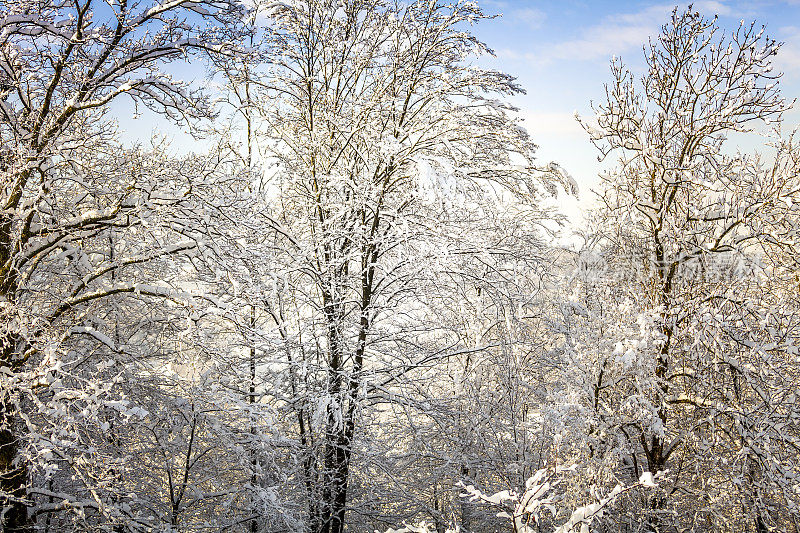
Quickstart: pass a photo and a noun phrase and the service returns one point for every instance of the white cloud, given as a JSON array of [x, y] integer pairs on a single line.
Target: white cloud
[[531, 17], [553, 123], [493, 5], [712, 7], [528, 16], [615, 34], [623, 32], [788, 58], [509, 54]]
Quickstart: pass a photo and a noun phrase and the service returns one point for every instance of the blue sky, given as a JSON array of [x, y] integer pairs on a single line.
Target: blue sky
[[560, 52]]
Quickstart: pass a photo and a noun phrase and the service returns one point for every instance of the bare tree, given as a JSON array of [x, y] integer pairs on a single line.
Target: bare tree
[[67, 188], [685, 217], [387, 147]]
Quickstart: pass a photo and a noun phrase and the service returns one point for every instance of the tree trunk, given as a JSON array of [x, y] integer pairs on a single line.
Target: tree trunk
[[466, 510], [337, 472], [13, 475], [13, 469]]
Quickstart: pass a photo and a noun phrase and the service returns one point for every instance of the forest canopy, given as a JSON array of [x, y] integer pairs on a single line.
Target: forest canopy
[[350, 305]]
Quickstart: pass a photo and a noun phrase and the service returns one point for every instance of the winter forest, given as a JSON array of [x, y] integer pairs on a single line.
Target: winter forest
[[349, 304]]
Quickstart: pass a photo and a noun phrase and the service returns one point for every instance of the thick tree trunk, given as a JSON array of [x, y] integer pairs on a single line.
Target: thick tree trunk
[[13, 469], [339, 436], [656, 449], [343, 389], [336, 504], [337, 471], [13, 475]]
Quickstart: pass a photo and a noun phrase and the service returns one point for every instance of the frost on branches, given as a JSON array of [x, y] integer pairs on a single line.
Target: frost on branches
[[348, 310], [390, 153], [83, 225], [682, 357]]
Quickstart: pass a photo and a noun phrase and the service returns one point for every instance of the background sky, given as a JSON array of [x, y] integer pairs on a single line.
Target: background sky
[[560, 53]]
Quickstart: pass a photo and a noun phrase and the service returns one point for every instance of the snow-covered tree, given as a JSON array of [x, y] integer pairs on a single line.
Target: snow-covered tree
[[388, 151], [81, 217], [682, 354]]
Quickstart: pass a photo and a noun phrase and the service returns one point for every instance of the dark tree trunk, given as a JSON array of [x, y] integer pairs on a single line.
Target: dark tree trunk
[[13, 469], [13, 475]]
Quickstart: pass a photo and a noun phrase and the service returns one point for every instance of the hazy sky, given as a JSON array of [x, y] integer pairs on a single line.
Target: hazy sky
[[560, 52]]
